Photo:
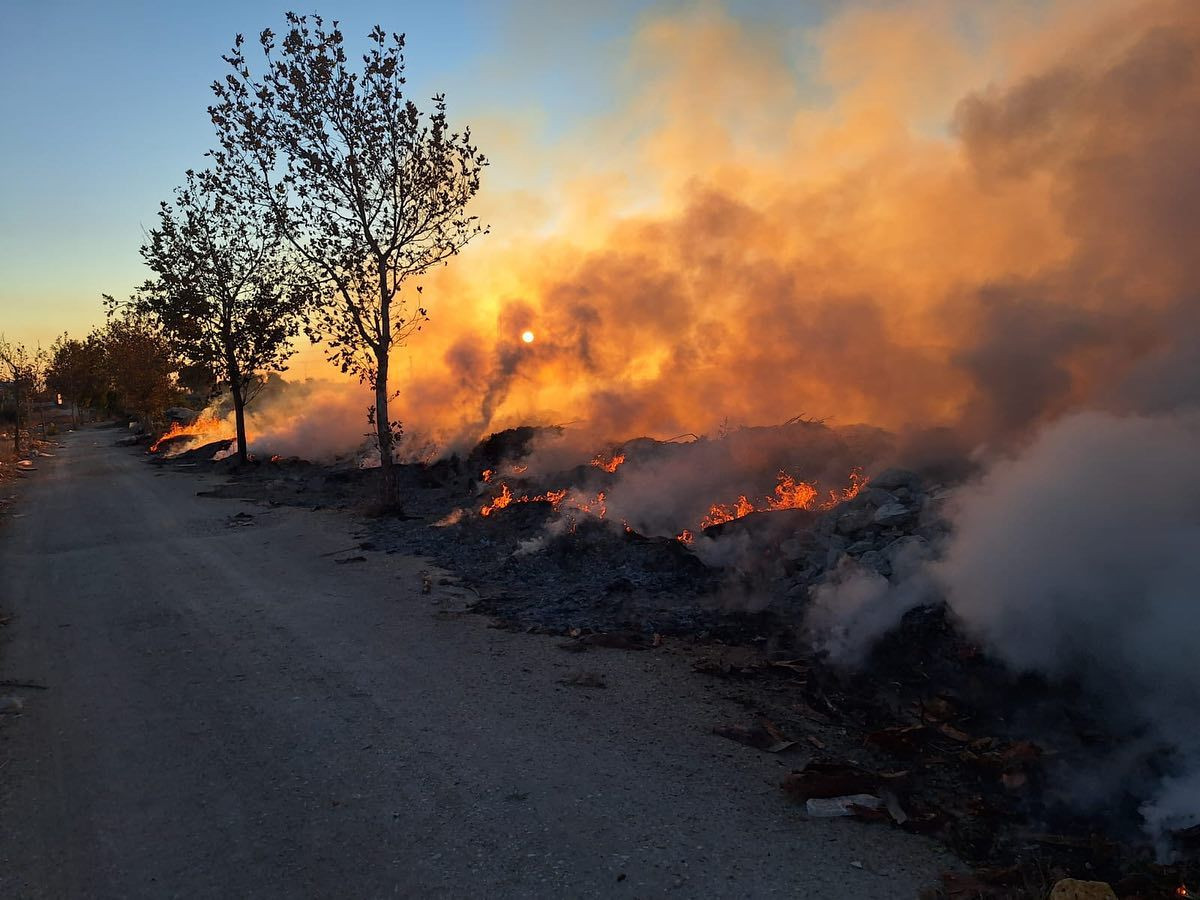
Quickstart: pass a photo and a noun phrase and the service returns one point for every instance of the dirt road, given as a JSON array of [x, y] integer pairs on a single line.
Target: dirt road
[[229, 712]]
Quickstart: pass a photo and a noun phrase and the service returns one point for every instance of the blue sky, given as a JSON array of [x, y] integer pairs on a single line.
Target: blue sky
[[103, 105]]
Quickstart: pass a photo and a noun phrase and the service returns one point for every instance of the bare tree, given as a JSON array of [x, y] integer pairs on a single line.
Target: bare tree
[[366, 189], [225, 296]]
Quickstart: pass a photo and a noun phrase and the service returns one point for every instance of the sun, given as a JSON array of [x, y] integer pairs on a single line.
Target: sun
[[527, 337]]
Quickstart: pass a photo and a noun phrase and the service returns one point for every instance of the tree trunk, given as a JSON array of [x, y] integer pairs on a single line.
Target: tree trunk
[[239, 418], [390, 490], [16, 415]]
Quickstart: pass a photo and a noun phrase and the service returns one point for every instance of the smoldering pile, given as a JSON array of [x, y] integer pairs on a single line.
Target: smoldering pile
[[649, 516]]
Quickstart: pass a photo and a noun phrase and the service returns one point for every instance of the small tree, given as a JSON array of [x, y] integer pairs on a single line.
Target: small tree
[[24, 370], [76, 372], [139, 365], [366, 190], [224, 295]]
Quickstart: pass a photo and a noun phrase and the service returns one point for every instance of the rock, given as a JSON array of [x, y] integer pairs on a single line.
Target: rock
[[860, 547], [1072, 889], [907, 556], [853, 521], [892, 479], [873, 559], [876, 496], [832, 558], [892, 514], [797, 548], [910, 546]]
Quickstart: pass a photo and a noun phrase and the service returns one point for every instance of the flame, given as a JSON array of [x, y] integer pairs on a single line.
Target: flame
[[597, 507], [506, 498], [792, 494], [685, 536], [203, 427], [608, 465], [486, 475], [789, 494], [503, 500]]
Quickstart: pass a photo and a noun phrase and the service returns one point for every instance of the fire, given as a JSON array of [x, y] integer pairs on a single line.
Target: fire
[[792, 494], [486, 475], [685, 536], [527, 337], [203, 427], [506, 498], [724, 512], [598, 507], [789, 494], [608, 465]]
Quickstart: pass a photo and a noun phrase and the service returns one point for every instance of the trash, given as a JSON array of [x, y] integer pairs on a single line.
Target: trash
[[764, 735], [1072, 889], [895, 810], [585, 679], [835, 807]]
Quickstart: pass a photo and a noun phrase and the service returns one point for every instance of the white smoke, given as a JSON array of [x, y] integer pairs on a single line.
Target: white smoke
[[857, 606], [1080, 559]]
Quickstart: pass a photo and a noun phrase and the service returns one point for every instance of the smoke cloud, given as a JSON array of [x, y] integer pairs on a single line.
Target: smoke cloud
[[1079, 559], [970, 225]]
